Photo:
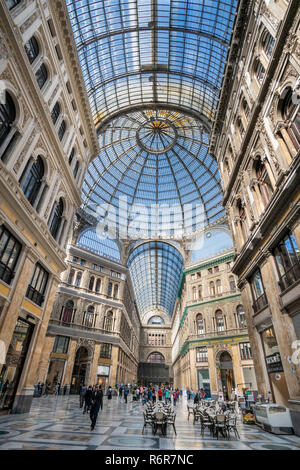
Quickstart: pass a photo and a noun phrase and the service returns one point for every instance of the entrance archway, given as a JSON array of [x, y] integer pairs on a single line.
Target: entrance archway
[[79, 369], [227, 376]]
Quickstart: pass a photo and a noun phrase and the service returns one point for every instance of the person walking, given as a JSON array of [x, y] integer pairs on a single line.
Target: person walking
[[88, 398], [65, 389], [153, 395], [126, 391], [56, 391], [97, 403], [120, 391], [167, 396], [134, 394], [160, 394], [202, 394], [81, 395], [174, 397], [109, 393]]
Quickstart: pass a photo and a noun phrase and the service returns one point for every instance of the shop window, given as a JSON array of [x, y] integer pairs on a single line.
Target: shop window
[[37, 286], [202, 354], [41, 75], [32, 49], [245, 351], [287, 257], [55, 112], [260, 298], [271, 351], [56, 218], [105, 351], [7, 119], [10, 250], [33, 181], [61, 344]]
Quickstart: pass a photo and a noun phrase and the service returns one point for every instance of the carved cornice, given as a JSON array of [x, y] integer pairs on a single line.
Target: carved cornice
[[64, 30]]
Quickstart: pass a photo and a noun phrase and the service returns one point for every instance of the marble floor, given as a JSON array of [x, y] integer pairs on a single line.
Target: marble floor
[[58, 423]]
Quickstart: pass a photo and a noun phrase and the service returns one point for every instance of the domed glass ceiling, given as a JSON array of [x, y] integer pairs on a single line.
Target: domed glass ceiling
[[157, 161]]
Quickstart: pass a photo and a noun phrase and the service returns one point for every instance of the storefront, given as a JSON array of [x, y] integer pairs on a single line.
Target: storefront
[[103, 372], [204, 381], [15, 360], [274, 367]]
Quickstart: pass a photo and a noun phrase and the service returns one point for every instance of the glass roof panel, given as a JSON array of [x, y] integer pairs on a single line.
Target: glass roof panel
[[89, 240], [155, 270], [135, 52]]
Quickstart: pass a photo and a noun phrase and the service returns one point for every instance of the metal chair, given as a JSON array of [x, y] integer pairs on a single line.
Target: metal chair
[[147, 420]]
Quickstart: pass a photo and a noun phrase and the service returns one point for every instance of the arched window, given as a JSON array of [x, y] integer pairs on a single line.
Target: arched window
[[41, 75], [267, 42], [71, 276], [109, 289], [194, 293], [243, 220], [91, 283], [259, 70], [156, 357], [32, 49], [33, 180], [68, 311], [219, 286], [62, 130], [76, 168], [71, 156], [200, 324], [232, 283], [241, 316], [12, 3], [155, 321], [240, 127], [57, 218], [89, 316], [78, 279], [55, 112], [7, 117], [292, 114], [245, 108], [116, 290], [108, 321], [220, 321], [98, 285], [200, 292], [264, 183], [212, 289]]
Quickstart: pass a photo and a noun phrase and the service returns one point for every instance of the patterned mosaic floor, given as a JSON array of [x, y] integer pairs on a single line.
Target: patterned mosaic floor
[[58, 423]]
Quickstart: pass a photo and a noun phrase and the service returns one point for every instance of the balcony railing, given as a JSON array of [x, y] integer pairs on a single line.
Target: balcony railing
[[260, 303], [6, 274], [83, 320], [35, 295], [216, 333], [290, 277]]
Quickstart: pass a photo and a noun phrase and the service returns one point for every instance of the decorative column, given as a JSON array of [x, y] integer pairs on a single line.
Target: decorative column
[[212, 371], [92, 379], [70, 362]]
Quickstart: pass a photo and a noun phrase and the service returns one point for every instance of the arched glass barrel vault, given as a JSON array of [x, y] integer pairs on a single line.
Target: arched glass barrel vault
[[155, 269], [153, 71]]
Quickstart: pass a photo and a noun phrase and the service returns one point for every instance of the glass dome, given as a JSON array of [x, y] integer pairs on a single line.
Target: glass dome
[[156, 164], [89, 240]]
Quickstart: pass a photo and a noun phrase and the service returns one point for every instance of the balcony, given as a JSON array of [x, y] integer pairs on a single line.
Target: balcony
[[260, 303], [290, 277], [35, 295], [6, 274], [216, 333], [80, 321]]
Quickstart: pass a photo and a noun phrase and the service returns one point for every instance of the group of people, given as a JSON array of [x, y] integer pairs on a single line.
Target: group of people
[[41, 389], [196, 396], [151, 393]]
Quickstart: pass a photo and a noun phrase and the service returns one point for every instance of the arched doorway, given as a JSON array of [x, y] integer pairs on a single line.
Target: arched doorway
[[227, 376], [79, 369]]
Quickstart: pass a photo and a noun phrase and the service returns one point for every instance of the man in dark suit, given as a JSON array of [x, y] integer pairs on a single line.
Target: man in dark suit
[[97, 402]]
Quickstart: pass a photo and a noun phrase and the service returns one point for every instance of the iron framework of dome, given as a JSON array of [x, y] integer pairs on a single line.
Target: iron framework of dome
[[157, 161]]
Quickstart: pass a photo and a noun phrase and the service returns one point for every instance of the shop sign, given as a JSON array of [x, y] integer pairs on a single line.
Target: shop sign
[[274, 363], [103, 370]]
